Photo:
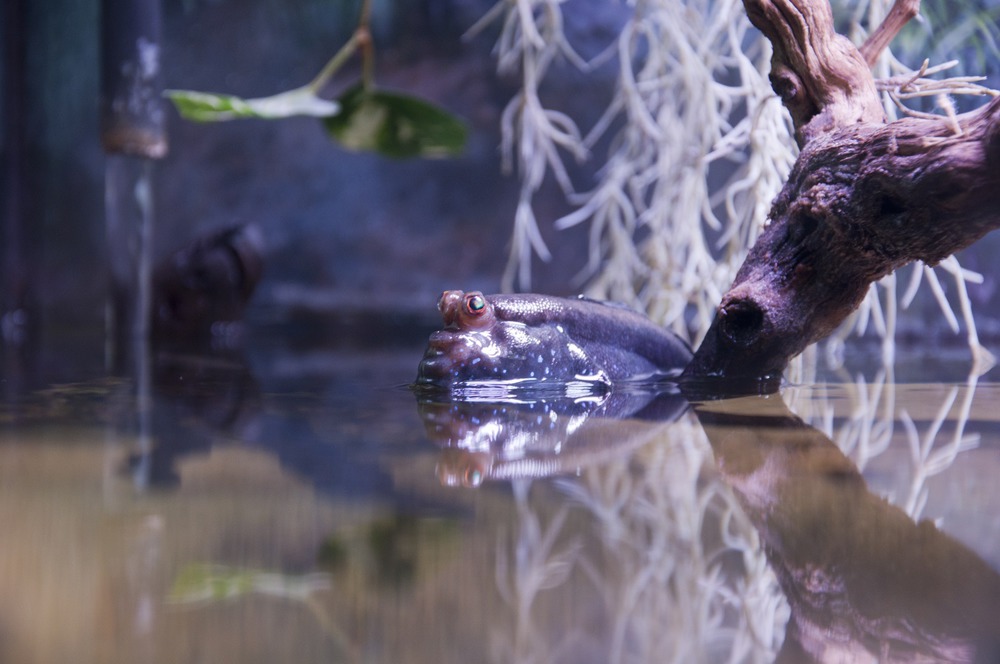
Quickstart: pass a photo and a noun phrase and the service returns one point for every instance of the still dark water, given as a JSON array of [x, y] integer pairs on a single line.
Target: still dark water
[[309, 507]]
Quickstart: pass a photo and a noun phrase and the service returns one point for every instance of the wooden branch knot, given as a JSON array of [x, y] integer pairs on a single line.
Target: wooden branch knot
[[789, 87]]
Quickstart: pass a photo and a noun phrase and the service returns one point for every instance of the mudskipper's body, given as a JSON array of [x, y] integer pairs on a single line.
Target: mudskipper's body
[[527, 339]]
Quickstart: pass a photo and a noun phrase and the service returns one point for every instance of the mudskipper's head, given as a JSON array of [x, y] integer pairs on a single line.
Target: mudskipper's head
[[466, 349]]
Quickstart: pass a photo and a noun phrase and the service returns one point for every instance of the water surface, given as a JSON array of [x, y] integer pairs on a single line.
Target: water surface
[[309, 507]]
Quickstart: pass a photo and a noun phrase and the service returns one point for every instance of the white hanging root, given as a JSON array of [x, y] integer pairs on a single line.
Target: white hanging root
[[684, 127], [701, 148], [664, 533], [534, 137], [982, 359]]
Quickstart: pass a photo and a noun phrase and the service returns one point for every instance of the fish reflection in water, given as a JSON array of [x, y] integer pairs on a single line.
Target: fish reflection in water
[[540, 433], [863, 581]]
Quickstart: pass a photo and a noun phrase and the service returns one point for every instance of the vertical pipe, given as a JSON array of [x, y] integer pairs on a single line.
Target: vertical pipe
[[128, 216], [132, 117], [13, 262], [18, 305], [133, 132]]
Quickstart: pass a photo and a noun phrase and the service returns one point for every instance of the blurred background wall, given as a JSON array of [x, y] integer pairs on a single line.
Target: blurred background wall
[[342, 230]]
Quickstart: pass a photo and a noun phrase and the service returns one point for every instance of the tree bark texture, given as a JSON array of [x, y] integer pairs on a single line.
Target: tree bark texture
[[864, 198]]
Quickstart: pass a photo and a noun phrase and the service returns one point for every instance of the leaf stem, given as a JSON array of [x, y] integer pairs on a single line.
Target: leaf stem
[[336, 62], [362, 38], [367, 57], [364, 35]]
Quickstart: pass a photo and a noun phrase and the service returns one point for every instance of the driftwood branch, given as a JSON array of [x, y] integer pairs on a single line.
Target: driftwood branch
[[899, 15], [820, 75], [865, 197]]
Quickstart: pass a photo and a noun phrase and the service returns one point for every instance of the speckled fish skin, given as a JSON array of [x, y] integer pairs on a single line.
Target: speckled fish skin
[[539, 338]]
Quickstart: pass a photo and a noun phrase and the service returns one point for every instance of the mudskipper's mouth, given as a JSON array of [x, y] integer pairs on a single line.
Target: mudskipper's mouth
[[443, 355], [458, 355]]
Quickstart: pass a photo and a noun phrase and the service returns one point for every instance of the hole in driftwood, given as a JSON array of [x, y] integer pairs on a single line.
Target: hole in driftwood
[[802, 227], [741, 322], [891, 206]]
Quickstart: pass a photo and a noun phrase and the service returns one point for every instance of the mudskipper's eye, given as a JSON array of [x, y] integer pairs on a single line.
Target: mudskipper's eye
[[475, 304], [473, 477]]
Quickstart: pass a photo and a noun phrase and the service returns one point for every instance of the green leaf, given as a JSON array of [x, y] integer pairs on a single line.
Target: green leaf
[[395, 125], [208, 107], [205, 582]]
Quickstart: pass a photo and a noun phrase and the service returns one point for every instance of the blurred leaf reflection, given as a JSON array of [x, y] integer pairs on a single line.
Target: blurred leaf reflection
[[200, 582]]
